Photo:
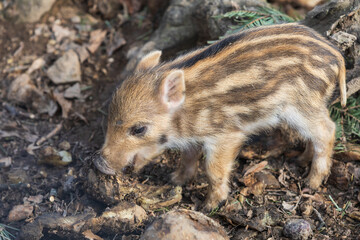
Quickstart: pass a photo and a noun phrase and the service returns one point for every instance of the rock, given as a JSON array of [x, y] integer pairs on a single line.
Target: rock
[[184, 224], [5, 162], [51, 156], [73, 91], [22, 89], [64, 145], [297, 229], [20, 212], [82, 52], [32, 10], [66, 69]]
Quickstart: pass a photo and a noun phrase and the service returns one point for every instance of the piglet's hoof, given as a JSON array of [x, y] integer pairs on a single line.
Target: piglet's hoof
[[210, 207]]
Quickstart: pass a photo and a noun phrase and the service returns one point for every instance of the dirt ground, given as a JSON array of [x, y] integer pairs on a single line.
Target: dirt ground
[[259, 204]]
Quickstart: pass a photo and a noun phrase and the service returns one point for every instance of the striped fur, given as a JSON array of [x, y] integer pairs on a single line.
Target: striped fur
[[218, 95]]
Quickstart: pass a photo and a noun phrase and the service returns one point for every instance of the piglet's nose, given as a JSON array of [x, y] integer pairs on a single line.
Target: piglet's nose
[[102, 165]]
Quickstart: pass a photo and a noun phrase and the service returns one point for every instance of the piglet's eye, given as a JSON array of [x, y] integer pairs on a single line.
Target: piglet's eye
[[138, 131]]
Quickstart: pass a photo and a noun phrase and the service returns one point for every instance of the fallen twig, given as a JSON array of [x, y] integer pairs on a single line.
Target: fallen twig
[[50, 134], [322, 222], [14, 112]]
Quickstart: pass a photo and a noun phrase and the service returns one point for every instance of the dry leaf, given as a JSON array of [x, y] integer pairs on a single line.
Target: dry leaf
[[256, 168], [38, 63], [249, 177], [287, 206], [257, 189], [96, 38], [73, 91]]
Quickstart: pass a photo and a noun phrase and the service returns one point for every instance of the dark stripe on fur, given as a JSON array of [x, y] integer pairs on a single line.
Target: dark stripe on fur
[[254, 34]]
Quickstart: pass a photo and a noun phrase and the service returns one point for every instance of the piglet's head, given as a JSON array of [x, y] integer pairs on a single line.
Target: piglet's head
[[140, 114]]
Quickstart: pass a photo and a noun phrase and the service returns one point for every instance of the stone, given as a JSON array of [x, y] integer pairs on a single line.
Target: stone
[[20, 212], [184, 224], [73, 91], [31, 10], [66, 69], [64, 145], [297, 229], [22, 89]]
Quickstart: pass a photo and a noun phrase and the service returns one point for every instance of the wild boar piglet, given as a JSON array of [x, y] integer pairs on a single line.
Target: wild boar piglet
[[211, 99]]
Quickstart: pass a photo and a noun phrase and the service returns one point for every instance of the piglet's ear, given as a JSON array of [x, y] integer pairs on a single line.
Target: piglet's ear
[[150, 60], [173, 90]]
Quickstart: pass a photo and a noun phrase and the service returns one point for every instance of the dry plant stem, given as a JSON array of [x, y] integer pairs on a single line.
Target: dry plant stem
[[50, 134], [322, 223]]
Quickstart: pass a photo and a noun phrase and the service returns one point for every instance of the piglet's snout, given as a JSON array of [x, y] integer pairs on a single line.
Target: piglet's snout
[[102, 165]]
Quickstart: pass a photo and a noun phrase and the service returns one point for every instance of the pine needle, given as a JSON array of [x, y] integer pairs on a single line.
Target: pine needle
[[5, 234], [260, 17]]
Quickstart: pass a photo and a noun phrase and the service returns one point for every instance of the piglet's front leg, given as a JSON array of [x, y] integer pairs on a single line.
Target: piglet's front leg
[[220, 156]]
